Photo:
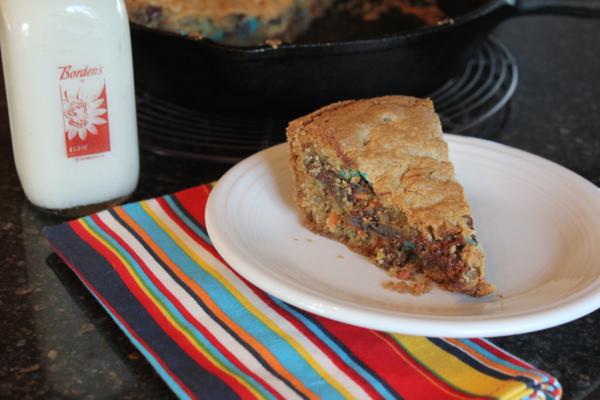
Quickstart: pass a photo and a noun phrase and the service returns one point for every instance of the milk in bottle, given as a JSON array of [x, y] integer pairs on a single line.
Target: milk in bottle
[[69, 85]]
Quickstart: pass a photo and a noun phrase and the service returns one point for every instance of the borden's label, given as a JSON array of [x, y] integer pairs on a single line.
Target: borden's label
[[85, 110]]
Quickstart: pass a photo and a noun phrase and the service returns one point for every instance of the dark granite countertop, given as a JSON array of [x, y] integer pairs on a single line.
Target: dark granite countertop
[[56, 342]]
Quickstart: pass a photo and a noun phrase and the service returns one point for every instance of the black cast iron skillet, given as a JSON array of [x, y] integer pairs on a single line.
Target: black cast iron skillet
[[321, 68]]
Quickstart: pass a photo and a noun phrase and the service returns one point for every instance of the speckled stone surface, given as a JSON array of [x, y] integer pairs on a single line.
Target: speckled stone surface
[[57, 342]]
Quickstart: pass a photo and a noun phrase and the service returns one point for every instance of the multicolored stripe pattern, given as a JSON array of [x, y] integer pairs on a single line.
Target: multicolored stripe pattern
[[211, 334]]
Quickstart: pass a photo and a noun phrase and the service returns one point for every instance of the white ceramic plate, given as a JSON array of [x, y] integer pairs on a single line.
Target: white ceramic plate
[[538, 222]]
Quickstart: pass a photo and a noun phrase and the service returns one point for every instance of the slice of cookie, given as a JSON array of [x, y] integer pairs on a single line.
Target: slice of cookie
[[374, 174]]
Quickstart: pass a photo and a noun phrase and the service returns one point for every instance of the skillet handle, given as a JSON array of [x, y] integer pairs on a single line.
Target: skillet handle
[[580, 8]]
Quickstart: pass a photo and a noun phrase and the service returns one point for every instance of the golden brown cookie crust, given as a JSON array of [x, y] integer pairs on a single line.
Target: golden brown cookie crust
[[397, 142], [216, 8]]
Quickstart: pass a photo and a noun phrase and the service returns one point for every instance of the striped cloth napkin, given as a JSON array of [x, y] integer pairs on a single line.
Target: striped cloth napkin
[[211, 334]]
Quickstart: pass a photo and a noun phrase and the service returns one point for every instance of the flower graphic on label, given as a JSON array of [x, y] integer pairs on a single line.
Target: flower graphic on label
[[83, 113]]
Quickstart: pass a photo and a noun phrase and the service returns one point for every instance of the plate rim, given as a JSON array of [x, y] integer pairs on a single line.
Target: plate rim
[[567, 309]]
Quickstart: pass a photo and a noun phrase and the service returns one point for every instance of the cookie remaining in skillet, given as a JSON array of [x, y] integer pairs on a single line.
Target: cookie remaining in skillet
[[234, 22], [375, 175]]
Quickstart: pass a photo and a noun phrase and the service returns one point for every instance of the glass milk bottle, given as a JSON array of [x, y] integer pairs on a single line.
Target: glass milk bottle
[[71, 102]]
